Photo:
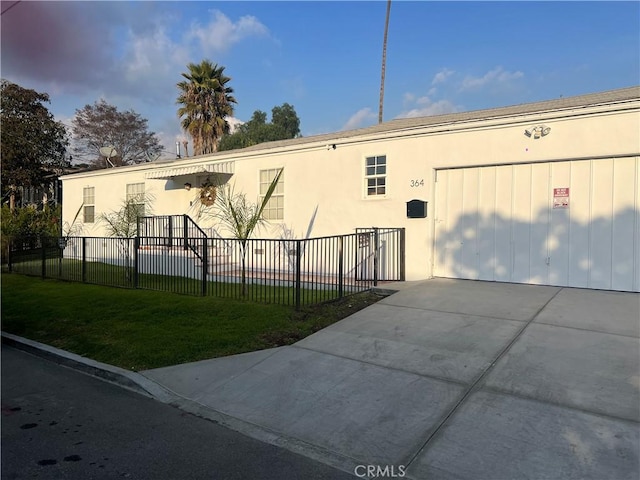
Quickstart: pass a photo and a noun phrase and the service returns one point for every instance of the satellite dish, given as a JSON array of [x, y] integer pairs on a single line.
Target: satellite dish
[[108, 152], [152, 157]]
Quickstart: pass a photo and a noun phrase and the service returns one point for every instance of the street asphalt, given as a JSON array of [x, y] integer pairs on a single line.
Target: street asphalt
[[445, 379], [58, 424]]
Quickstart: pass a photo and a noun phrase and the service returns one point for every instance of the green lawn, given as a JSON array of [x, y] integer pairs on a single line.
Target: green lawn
[[140, 329]]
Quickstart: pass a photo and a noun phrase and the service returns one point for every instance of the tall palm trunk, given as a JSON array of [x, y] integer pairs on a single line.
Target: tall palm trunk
[[384, 61]]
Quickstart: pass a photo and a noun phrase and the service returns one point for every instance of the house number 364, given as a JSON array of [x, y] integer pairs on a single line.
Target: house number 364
[[417, 183]]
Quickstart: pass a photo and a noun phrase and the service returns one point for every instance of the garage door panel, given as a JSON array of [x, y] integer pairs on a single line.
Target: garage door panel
[[558, 240], [521, 224], [600, 225], [579, 216], [539, 258], [440, 227], [503, 206], [487, 227], [449, 187], [469, 224], [454, 211]]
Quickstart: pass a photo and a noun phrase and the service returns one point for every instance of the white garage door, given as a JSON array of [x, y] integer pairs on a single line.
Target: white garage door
[[573, 223]]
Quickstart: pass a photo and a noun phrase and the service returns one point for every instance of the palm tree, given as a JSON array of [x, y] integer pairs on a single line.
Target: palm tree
[[206, 102]]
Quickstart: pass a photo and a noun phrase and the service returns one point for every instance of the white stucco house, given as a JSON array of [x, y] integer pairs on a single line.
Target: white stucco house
[[542, 193]]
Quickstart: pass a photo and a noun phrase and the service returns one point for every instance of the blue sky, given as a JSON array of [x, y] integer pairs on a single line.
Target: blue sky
[[324, 58]]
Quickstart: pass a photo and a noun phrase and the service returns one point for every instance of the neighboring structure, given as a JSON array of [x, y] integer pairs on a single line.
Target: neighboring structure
[[541, 193], [49, 193]]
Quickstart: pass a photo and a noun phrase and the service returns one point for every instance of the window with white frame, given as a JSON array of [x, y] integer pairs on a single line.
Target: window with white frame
[[275, 206], [89, 204], [135, 195], [375, 177]]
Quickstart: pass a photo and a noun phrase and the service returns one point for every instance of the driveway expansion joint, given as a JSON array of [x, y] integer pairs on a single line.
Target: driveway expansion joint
[[386, 367], [409, 307], [475, 385], [499, 391], [603, 332]]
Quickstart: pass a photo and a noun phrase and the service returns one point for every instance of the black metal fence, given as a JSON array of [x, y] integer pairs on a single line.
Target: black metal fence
[[171, 255]]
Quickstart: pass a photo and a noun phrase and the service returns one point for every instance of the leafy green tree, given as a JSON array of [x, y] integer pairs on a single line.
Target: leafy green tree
[[102, 125], [285, 116], [33, 144], [30, 222], [284, 124], [206, 101], [258, 118]]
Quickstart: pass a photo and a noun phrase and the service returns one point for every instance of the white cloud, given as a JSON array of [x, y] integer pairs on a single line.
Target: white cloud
[[442, 76], [427, 108], [359, 119], [221, 33], [408, 98], [153, 55], [234, 123], [497, 76], [148, 70], [411, 98]]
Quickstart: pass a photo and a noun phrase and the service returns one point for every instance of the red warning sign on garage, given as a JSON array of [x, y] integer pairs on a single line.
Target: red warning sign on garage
[[561, 197]]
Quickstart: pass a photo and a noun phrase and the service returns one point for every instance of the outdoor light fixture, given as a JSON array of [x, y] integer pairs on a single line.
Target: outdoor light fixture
[[187, 186], [537, 131]]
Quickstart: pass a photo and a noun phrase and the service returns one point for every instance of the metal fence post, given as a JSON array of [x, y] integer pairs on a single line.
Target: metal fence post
[[9, 259], [401, 252], [298, 273], [136, 261], [340, 266], [205, 265], [84, 259], [44, 258], [185, 226], [376, 241], [170, 241]]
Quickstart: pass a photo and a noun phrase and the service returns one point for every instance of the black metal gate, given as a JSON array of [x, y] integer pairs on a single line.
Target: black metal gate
[[380, 256]]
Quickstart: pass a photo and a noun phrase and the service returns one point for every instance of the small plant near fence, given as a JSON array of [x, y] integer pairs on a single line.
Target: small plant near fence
[[122, 225], [239, 216]]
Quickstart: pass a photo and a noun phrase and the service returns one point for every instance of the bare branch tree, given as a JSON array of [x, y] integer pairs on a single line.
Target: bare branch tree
[[101, 125]]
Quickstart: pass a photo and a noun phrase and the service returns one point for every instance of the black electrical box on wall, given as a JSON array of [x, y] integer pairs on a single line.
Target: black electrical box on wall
[[416, 209]]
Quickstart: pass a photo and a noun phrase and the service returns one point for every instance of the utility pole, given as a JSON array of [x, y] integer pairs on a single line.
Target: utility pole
[[384, 61]]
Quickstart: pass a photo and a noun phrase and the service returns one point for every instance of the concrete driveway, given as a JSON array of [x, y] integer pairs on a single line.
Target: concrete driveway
[[448, 379]]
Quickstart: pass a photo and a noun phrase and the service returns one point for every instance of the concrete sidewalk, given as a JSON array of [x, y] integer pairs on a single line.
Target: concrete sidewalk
[[447, 379]]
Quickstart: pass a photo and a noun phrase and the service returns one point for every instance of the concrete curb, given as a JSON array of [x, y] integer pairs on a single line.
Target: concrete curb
[[141, 384], [131, 380]]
